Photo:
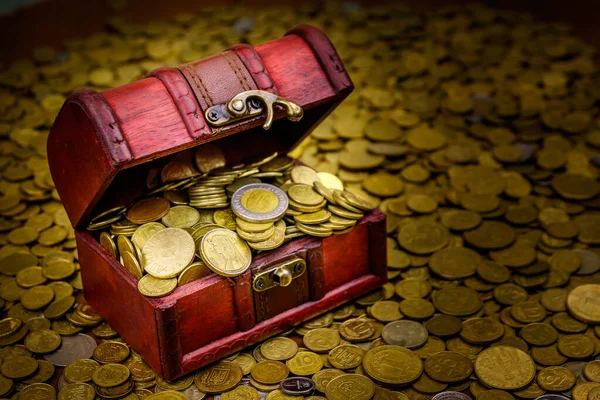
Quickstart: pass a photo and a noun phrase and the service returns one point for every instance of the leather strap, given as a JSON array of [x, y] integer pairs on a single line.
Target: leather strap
[[216, 79], [256, 67], [184, 99]]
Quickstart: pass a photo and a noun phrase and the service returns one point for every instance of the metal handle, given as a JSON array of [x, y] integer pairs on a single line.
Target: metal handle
[[249, 104]]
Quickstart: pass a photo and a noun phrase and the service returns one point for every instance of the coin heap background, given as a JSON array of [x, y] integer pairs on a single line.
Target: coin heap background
[[476, 130]]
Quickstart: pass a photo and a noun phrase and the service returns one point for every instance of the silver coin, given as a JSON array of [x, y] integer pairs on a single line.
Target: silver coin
[[451, 396], [250, 216], [590, 262], [62, 382], [193, 393], [72, 348], [409, 334], [552, 397]]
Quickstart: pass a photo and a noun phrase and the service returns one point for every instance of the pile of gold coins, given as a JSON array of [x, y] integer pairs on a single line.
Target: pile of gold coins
[[476, 131], [211, 216]]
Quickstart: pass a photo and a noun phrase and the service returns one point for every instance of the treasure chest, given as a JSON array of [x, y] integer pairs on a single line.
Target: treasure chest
[[104, 146]]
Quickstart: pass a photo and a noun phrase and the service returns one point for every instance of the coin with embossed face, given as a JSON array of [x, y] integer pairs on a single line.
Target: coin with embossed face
[[505, 368], [259, 202], [225, 253]]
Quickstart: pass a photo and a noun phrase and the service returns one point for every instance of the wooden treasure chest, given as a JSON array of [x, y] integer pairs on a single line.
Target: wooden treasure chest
[[107, 150]]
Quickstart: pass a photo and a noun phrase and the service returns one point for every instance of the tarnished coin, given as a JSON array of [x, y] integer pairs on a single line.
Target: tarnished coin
[[448, 367], [409, 334], [72, 348], [167, 252], [225, 253], [259, 202], [423, 237], [392, 365]]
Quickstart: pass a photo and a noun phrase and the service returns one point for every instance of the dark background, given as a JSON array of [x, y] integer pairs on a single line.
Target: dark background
[[52, 21]]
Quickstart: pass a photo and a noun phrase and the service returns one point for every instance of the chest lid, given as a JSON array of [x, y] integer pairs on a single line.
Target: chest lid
[[250, 102]]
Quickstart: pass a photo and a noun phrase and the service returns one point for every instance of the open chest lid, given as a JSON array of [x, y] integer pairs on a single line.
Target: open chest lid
[[103, 146]]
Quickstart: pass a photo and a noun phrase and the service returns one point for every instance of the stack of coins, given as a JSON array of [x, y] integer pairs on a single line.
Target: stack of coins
[[493, 259]]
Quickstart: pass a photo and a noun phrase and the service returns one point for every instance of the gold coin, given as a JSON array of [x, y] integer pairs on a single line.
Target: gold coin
[[195, 271], [448, 367], [392, 365], [539, 334], [225, 253], [458, 301], [357, 329], [19, 367], [111, 352], [181, 383], [454, 262], [226, 218], [110, 375], [304, 194], [305, 175], [154, 287], [279, 349], [79, 391], [42, 341], [481, 330], [330, 181], [142, 233], [313, 218], [350, 386], [37, 297], [148, 210], [241, 393], [423, 237], [324, 376], [386, 311], [304, 363], [576, 346], [269, 372], [556, 379], [253, 227], [581, 391], [181, 217], [275, 241], [168, 252], [220, 377], [131, 264], [245, 361], [80, 370], [491, 235], [256, 237], [505, 368], [321, 340], [346, 356], [583, 303], [9, 326], [108, 244], [592, 371]]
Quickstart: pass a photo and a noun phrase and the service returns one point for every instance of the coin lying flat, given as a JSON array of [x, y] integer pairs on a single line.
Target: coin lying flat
[[259, 203]]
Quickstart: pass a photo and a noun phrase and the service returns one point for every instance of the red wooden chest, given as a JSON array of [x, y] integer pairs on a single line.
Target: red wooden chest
[[103, 145]]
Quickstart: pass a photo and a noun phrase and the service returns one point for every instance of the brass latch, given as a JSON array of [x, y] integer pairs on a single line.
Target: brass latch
[[249, 104], [279, 274]]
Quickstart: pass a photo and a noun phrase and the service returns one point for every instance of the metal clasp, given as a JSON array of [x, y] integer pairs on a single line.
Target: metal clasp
[[249, 104], [279, 275]]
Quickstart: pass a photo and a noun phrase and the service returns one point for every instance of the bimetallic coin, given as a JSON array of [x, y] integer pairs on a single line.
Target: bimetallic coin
[[259, 202]]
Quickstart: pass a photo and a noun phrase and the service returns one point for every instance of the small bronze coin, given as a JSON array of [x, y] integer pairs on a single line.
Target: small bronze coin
[[219, 377], [297, 386], [270, 372], [448, 367], [556, 379], [148, 210], [443, 325]]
